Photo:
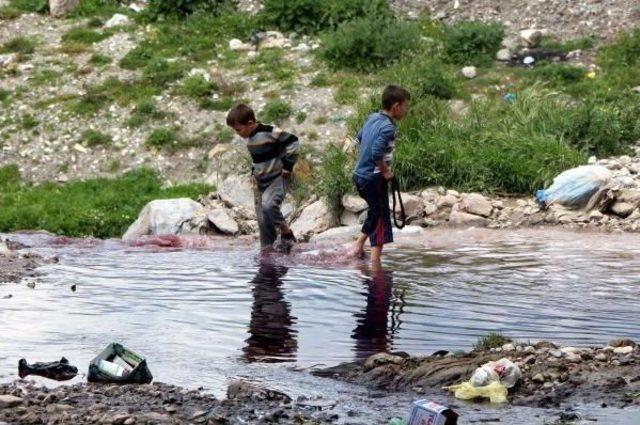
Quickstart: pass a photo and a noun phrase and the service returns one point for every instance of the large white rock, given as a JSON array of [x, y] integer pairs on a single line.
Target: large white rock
[[348, 218], [223, 221], [469, 72], [162, 217], [475, 203], [61, 8], [463, 219], [413, 205], [238, 45], [316, 218], [341, 234], [237, 191], [503, 55], [355, 204], [117, 20]]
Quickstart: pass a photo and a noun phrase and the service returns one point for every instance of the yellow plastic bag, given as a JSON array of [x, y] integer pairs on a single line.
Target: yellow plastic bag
[[495, 391]]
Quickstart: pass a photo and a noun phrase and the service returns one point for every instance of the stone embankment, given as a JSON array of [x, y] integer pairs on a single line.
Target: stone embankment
[[230, 210]]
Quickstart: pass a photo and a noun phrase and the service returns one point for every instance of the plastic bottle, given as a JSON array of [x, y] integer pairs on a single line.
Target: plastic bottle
[[111, 368]]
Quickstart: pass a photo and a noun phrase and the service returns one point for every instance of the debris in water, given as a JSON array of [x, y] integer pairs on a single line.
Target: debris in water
[[59, 371], [73, 288]]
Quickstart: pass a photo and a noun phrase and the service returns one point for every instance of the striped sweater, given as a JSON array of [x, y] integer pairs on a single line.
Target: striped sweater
[[272, 150]]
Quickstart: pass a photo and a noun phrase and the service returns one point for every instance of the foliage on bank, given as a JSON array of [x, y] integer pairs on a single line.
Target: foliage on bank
[[98, 207]]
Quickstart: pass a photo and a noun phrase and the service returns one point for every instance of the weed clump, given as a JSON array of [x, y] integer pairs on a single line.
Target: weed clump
[[276, 111], [473, 42], [368, 43]]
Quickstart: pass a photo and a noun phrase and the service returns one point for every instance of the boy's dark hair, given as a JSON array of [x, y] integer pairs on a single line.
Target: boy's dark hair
[[393, 94], [240, 114]]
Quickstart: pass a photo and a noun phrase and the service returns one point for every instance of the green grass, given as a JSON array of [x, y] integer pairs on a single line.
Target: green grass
[[301, 117], [28, 122], [491, 340], [92, 138], [98, 59], [144, 112], [224, 135], [222, 104], [45, 77], [98, 207], [347, 92], [34, 6], [333, 177], [472, 42], [112, 90], [198, 88], [162, 138], [275, 111], [98, 8], [270, 65], [582, 43], [9, 12], [22, 45], [84, 36]]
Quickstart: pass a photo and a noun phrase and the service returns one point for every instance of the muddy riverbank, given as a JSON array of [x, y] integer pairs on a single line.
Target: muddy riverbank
[[552, 376], [15, 266]]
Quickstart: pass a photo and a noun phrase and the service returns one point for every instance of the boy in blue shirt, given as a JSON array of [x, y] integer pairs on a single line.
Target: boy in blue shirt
[[373, 170]]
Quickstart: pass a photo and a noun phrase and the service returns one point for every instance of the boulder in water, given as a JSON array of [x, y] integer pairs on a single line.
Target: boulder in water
[[162, 217]]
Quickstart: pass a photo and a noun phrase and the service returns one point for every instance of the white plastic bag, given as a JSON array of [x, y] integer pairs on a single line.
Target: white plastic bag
[[574, 188], [503, 371]]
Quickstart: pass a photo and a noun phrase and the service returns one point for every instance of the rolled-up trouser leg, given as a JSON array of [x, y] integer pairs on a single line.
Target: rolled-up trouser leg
[[272, 217]]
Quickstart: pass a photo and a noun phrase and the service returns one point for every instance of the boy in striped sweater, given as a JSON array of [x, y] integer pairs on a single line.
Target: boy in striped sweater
[[273, 152]]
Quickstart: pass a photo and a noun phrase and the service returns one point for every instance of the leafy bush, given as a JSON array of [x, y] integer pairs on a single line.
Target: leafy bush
[[95, 138], [275, 111], [368, 43], [186, 7], [309, 16], [558, 74], [98, 207], [94, 8], [472, 42], [333, 176]]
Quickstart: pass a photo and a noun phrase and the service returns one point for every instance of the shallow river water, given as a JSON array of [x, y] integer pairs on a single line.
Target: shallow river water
[[214, 310]]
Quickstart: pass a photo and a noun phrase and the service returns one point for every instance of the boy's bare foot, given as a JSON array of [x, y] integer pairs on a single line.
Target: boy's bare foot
[[357, 253]]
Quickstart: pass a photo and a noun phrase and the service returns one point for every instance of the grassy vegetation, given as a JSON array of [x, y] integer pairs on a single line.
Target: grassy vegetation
[[368, 43], [84, 36], [309, 16], [98, 59], [94, 138], [97, 207], [333, 176], [491, 340], [143, 112], [162, 138], [472, 43], [275, 111], [21, 45], [34, 6]]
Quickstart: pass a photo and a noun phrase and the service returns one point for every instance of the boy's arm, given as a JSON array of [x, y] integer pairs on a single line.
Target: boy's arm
[[379, 149], [289, 146]]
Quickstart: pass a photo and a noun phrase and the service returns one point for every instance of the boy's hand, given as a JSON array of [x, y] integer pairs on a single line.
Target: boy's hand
[[387, 174]]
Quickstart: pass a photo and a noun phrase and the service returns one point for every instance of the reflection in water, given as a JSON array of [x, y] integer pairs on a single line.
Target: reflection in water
[[373, 332], [272, 337]]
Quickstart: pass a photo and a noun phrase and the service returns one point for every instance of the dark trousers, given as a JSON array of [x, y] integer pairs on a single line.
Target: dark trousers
[[268, 213], [378, 223]]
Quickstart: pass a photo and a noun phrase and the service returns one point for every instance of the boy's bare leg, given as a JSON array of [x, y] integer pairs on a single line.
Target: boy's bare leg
[[284, 229], [376, 255], [358, 248]]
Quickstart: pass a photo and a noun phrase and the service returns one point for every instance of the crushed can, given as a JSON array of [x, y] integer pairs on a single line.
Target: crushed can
[[426, 412]]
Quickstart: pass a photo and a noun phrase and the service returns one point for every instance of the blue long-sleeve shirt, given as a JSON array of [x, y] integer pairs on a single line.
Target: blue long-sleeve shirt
[[376, 141]]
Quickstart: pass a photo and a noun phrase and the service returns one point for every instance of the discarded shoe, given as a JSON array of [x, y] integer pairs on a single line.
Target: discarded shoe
[[59, 371]]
